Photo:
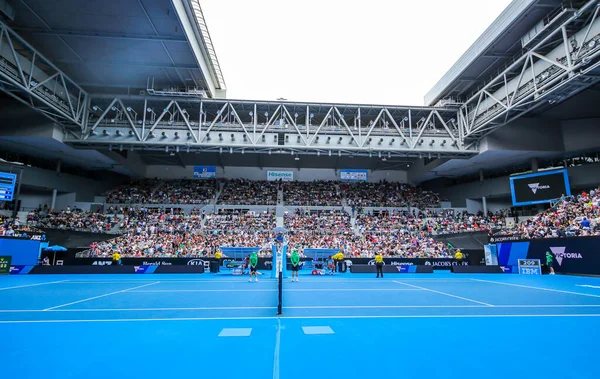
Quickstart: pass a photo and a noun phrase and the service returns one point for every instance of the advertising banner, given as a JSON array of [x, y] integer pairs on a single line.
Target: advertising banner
[[569, 255], [539, 188], [267, 263], [23, 251], [285, 176], [354, 175], [205, 172], [4, 265]]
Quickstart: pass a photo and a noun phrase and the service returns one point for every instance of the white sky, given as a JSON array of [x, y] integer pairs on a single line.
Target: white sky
[[374, 51]]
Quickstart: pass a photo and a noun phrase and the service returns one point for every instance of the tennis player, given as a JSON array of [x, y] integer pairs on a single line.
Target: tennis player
[[253, 264], [550, 262], [295, 259], [379, 264]]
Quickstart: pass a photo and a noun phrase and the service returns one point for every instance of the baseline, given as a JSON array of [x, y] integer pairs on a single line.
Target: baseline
[[300, 318]]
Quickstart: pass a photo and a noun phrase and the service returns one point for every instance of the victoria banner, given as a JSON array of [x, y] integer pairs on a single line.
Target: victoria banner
[[569, 255], [539, 188], [354, 175], [205, 172]]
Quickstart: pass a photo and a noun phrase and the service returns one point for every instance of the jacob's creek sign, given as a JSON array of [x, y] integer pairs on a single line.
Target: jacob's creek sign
[[286, 176]]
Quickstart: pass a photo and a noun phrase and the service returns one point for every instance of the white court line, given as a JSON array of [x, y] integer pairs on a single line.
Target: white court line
[[302, 307], [244, 279], [444, 293], [537, 288], [287, 317], [97, 297], [32, 285], [277, 349], [285, 290]]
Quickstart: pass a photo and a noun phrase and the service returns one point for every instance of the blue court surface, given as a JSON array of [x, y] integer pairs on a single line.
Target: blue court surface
[[348, 326]]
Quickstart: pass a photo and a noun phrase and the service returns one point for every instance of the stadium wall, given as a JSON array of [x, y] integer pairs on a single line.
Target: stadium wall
[[255, 173], [85, 189]]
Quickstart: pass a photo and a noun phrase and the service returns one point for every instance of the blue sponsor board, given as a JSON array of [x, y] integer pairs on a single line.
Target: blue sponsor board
[[145, 269], [7, 186], [205, 172], [20, 269], [354, 175], [577, 255]]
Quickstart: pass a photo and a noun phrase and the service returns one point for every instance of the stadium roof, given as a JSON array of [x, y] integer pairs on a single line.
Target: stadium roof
[[493, 50], [117, 46]]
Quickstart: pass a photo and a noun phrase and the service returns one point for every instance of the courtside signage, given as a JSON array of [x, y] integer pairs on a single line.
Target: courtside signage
[[530, 267], [354, 175], [284, 176], [5, 265], [205, 172]]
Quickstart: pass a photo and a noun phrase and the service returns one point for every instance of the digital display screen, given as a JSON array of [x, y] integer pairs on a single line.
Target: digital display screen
[[539, 188], [7, 186]]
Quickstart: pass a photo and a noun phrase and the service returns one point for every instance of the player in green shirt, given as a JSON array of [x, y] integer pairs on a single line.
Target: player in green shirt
[[253, 264], [550, 262], [295, 259]]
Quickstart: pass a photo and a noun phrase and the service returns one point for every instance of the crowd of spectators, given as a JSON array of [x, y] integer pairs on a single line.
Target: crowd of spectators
[[139, 192], [409, 234], [7, 226], [388, 194], [401, 234], [450, 222], [336, 222], [75, 219], [237, 221], [248, 192], [183, 191], [572, 216], [317, 193]]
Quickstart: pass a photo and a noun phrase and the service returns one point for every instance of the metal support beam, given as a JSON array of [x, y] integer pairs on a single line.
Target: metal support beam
[[538, 78], [101, 35], [37, 82]]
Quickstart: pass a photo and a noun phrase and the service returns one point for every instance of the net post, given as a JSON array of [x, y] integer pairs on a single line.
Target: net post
[[280, 297]]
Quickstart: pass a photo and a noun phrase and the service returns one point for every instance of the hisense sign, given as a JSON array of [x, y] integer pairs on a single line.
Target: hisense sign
[[285, 176]]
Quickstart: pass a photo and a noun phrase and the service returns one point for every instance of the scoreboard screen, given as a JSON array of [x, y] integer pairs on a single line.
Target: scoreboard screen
[[540, 187], [7, 186]]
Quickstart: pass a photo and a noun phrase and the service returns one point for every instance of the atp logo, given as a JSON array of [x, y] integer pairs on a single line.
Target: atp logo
[[536, 186], [560, 254]]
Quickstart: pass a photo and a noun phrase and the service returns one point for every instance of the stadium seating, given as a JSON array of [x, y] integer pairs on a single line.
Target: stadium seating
[[317, 193], [571, 217], [155, 232], [246, 192]]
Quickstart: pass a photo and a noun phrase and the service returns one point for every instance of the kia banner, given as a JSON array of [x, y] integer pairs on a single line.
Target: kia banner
[[539, 188]]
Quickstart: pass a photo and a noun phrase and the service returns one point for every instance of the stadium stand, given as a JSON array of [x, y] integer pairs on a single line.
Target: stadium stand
[[246, 192], [316, 193]]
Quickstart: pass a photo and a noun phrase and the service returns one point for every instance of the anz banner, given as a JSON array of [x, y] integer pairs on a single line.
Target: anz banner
[[205, 172], [569, 255], [354, 175], [539, 188]]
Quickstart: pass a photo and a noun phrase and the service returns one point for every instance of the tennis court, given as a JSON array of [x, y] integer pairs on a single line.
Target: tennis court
[[347, 326]]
